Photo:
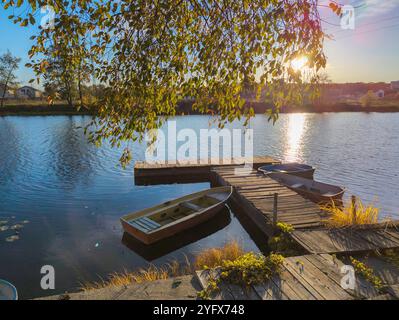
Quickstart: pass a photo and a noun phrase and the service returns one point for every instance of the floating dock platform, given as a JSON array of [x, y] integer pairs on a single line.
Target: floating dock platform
[[172, 172]]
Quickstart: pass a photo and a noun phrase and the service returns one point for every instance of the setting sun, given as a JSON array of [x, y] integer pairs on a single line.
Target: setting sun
[[299, 63]]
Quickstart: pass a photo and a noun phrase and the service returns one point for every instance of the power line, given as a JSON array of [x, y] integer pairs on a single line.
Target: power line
[[361, 4], [368, 31], [367, 24]]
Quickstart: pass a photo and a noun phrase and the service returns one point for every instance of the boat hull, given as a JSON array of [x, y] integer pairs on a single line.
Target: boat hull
[[319, 199], [318, 192], [296, 169], [155, 236], [165, 216]]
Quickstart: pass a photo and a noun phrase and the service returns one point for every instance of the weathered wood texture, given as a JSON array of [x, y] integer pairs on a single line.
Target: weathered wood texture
[[171, 172], [255, 193], [347, 240], [309, 277]]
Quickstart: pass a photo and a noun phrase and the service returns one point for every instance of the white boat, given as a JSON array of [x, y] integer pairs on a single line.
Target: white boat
[[318, 192], [172, 217]]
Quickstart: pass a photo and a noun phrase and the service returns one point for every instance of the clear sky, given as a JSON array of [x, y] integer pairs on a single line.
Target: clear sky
[[369, 53]]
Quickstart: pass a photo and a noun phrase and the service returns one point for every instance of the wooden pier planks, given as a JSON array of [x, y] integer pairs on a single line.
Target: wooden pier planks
[[347, 240], [171, 172], [309, 277], [256, 190], [253, 192]]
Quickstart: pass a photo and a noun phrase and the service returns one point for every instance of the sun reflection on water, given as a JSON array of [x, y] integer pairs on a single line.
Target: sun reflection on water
[[295, 130]]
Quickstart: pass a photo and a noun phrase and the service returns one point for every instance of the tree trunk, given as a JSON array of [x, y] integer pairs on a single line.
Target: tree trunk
[[80, 85], [80, 92], [5, 89]]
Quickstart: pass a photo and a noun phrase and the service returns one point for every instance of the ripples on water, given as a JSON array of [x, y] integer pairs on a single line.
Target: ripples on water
[[74, 193]]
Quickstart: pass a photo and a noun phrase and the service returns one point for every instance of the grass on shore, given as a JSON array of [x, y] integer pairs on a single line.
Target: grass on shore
[[31, 102], [351, 214], [214, 257], [209, 258]]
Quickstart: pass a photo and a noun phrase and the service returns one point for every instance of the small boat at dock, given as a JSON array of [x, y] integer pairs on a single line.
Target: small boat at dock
[[294, 168], [7, 291], [161, 248], [315, 191], [172, 217]]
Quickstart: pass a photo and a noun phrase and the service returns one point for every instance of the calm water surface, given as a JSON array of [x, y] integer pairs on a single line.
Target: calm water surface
[[73, 194]]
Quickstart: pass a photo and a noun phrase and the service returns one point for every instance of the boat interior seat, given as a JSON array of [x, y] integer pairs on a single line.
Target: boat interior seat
[[145, 224], [216, 196], [191, 206]]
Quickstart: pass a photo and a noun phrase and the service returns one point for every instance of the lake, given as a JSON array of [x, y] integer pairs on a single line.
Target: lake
[[71, 194]]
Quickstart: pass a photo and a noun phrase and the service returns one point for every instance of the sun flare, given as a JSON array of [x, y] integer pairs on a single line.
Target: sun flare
[[299, 63]]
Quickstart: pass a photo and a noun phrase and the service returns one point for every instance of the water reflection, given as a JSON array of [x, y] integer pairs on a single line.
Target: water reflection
[[10, 150], [161, 248], [71, 156], [294, 135]]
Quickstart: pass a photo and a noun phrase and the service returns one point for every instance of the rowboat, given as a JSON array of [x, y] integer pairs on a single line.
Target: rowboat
[[297, 169], [318, 192], [180, 240], [172, 217], [7, 291]]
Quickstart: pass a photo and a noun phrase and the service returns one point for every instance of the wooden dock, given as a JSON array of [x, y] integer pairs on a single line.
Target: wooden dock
[[314, 276], [253, 192], [309, 277], [172, 172], [347, 240], [254, 195]]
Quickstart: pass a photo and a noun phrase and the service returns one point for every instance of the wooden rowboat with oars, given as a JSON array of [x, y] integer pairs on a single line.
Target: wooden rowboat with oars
[[172, 217]]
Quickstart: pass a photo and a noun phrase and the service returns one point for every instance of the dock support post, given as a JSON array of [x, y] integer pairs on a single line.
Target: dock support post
[[275, 203], [354, 210]]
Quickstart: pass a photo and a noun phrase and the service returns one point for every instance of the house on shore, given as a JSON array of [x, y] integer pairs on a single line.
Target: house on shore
[[27, 92], [395, 85]]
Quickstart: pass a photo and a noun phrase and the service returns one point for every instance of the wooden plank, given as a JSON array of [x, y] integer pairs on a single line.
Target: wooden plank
[[393, 290], [379, 238], [363, 289], [268, 291], [393, 233], [336, 240], [311, 242], [295, 286], [332, 289], [301, 280], [203, 277], [214, 162], [313, 278], [227, 291]]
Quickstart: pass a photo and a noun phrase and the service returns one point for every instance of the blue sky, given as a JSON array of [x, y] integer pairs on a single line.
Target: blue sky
[[369, 53]]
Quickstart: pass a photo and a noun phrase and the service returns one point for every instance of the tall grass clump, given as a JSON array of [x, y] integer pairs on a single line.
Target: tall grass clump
[[350, 214], [214, 257]]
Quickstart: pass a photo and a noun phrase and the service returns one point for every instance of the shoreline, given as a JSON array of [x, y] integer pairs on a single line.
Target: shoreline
[[184, 108], [42, 110]]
